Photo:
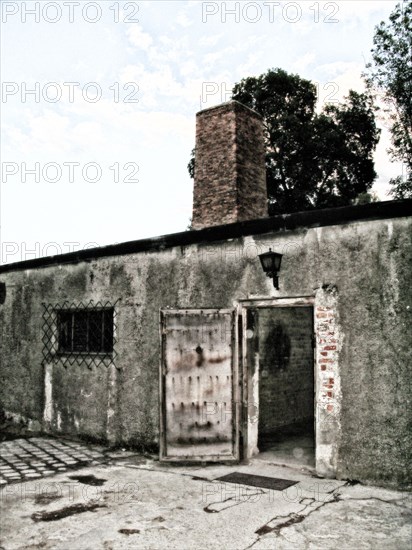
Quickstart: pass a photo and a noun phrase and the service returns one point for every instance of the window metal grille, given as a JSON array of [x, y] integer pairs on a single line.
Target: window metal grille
[[79, 333]]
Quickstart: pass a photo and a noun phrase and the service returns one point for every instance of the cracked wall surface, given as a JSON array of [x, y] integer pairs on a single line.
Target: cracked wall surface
[[367, 264]]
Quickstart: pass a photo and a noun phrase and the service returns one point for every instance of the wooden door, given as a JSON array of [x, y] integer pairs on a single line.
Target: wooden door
[[199, 402]]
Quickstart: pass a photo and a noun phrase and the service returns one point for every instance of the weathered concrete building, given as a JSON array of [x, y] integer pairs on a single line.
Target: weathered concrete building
[[328, 353]]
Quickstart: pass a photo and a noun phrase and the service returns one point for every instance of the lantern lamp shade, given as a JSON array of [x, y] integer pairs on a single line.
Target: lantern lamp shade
[[270, 261]]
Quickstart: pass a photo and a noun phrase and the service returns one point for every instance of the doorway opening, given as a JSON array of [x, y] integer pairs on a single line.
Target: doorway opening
[[286, 423]]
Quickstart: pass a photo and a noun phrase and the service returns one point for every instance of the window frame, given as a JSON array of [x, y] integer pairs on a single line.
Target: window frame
[[85, 353]]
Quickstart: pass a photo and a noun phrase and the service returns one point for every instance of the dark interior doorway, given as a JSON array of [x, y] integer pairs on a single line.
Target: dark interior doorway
[[286, 385]]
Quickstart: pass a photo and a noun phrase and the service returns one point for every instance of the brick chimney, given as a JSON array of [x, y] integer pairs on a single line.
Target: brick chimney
[[230, 173]]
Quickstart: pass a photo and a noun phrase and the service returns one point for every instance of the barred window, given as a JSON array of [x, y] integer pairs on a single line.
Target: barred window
[[85, 331]]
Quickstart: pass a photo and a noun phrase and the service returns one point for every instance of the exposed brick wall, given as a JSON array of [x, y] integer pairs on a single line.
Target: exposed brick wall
[[328, 380], [326, 352], [286, 388], [230, 173]]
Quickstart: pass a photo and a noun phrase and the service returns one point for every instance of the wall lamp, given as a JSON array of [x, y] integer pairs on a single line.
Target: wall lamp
[[271, 265]]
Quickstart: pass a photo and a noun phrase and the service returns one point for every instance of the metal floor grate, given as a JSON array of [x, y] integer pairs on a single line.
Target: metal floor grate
[[258, 481]]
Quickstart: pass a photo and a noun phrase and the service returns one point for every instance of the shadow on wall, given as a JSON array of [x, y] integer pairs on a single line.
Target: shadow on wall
[[276, 354]]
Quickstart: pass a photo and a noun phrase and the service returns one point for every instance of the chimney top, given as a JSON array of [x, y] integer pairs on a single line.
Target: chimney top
[[228, 105], [230, 172]]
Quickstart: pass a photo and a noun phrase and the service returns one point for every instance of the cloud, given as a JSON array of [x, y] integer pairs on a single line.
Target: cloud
[[248, 68], [353, 8], [183, 20], [336, 80], [303, 62], [152, 84], [333, 70], [139, 38], [211, 40], [172, 59], [188, 68], [45, 132]]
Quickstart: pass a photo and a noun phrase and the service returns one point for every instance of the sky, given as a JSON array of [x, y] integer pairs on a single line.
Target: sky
[[99, 100]]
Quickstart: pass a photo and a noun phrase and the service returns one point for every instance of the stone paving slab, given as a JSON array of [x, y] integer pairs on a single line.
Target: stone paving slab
[[138, 504], [38, 457]]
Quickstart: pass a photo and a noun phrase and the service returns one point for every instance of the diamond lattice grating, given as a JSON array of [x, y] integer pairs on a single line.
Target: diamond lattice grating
[[50, 338]]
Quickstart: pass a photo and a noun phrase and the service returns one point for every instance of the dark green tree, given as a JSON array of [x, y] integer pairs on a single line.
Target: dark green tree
[[348, 142], [312, 160], [390, 76]]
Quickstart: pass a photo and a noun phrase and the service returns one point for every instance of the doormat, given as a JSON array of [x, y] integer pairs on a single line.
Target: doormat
[[258, 481]]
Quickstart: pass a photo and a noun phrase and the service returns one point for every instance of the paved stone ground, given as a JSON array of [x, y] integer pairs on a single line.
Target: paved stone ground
[[121, 500], [35, 458]]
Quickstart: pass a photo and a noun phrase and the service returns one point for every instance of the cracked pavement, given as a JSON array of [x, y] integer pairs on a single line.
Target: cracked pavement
[[124, 500]]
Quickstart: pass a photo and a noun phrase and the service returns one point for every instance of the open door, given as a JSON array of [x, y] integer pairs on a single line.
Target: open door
[[199, 386], [278, 379]]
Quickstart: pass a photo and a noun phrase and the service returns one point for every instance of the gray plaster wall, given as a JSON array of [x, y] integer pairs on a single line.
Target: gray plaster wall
[[367, 263]]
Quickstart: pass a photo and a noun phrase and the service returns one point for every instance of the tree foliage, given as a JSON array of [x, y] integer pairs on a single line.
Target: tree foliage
[[312, 160], [390, 74]]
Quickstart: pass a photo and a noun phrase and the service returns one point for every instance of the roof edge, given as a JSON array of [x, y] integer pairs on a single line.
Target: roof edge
[[283, 222]]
